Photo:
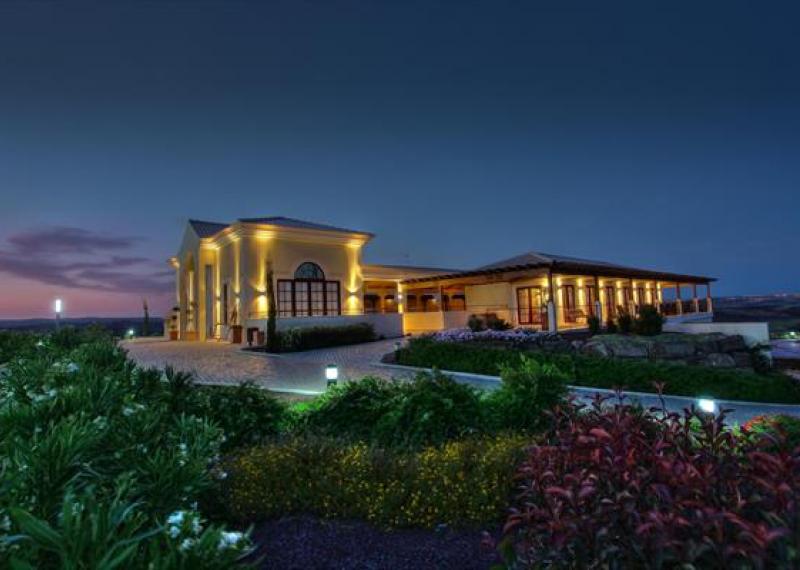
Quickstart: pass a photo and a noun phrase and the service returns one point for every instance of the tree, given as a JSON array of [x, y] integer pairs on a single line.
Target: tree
[[146, 321], [272, 318]]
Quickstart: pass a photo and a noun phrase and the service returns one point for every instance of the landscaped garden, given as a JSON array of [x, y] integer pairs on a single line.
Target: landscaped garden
[[106, 465]]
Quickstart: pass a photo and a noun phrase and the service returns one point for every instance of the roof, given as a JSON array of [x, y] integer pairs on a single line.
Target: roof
[[299, 224], [206, 229], [209, 229], [567, 264], [384, 271]]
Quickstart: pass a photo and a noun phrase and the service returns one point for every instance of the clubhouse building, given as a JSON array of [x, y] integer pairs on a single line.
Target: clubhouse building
[[319, 278]]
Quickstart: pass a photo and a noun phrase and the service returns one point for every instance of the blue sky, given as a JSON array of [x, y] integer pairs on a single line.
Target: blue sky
[[666, 136]]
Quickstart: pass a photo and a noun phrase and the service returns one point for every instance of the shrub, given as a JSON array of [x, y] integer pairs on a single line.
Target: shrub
[[594, 325], [476, 323], [15, 344], [460, 483], [495, 323], [598, 372], [611, 327], [529, 390], [322, 337], [625, 323], [649, 322], [622, 488], [246, 413], [96, 453], [781, 426], [431, 409]]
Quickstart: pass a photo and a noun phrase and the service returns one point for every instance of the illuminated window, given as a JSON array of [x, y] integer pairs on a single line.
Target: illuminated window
[[308, 294]]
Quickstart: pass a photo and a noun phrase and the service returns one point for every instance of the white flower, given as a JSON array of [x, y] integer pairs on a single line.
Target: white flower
[[197, 528], [176, 518], [174, 531], [230, 540], [127, 411], [187, 544], [72, 367]]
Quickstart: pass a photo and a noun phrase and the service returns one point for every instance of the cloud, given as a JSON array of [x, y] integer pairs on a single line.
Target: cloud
[[82, 259]]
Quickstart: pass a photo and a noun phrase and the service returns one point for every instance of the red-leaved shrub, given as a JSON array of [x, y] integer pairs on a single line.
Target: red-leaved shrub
[[621, 487]]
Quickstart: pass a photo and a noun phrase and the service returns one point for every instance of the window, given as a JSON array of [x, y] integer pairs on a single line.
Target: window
[[569, 297], [530, 306], [308, 294]]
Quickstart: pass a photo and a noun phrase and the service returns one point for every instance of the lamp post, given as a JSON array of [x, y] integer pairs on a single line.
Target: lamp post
[[58, 305]]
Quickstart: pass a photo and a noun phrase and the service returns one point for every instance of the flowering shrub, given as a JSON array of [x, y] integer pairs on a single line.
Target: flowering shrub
[[618, 487], [94, 457], [460, 483], [509, 335], [785, 428]]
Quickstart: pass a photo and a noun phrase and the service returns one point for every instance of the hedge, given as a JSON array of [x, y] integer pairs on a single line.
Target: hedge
[[598, 372], [297, 339]]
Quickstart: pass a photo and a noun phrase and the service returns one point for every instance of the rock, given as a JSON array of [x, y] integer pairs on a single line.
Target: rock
[[719, 360], [732, 343], [577, 345], [742, 359], [596, 348], [629, 349], [674, 349], [708, 343]]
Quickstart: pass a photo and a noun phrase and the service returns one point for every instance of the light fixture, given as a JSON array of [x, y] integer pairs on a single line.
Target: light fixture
[[707, 405], [131, 332], [332, 374], [58, 305]]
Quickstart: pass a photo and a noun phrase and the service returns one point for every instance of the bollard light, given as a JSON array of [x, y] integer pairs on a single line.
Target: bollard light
[[332, 374], [707, 405], [58, 305], [131, 333]]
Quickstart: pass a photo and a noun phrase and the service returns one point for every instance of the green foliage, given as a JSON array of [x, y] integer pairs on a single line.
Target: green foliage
[[529, 390], [15, 344], [611, 327], [309, 338], [460, 483], [633, 375], [96, 453], [625, 323], [273, 341], [431, 409], [476, 323], [784, 427], [496, 323], [649, 322], [594, 325]]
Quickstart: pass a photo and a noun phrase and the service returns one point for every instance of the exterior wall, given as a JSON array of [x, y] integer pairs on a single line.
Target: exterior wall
[[338, 262], [421, 322], [753, 333], [388, 325], [491, 298]]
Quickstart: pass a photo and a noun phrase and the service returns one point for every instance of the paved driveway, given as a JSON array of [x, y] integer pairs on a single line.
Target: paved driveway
[[304, 372]]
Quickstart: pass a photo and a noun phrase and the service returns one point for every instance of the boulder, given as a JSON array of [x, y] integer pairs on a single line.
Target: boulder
[[674, 349], [742, 359], [719, 360], [596, 348], [708, 343], [629, 349], [732, 343]]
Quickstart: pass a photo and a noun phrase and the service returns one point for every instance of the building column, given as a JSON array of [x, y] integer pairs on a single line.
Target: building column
[[678, 301], [709, 305], [695, 300]]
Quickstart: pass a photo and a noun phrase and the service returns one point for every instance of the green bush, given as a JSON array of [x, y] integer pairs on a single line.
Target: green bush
[[476, 323], [611, 327], [95, 455], [309, 338], [461, 483], [594, 325], [598, 372], [778, 425], [529, 390], [15, 344], [496, 323], [431, 409], [625, 323], [649, 322]]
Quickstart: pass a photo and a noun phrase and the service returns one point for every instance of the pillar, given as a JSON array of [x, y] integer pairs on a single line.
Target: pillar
[[709, 306], [678, 302], [695, 301], [552, 313]]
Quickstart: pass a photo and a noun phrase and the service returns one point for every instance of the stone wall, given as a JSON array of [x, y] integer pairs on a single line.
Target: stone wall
[[713, 349]]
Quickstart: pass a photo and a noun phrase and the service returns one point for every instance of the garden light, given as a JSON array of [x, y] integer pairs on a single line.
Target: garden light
[[131, 332], [58, 305], [332, 374], [708, 406]]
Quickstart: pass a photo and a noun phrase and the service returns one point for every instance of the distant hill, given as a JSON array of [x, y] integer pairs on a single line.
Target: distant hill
[[117, 325], [782, 312]]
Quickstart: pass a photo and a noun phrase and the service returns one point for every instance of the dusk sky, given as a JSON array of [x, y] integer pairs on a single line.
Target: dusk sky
[[663, 135]]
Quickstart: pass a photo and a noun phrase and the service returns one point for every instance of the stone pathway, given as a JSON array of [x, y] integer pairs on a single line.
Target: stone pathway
[[304, 372]]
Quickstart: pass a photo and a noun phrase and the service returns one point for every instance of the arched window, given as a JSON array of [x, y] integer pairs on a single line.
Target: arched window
[[308, 294], [309, 271]]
